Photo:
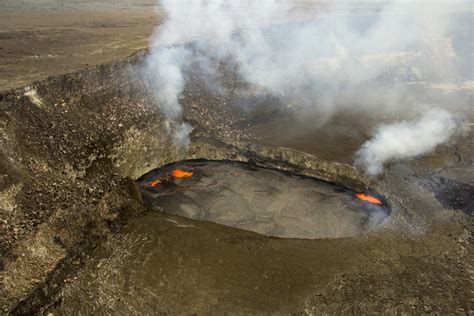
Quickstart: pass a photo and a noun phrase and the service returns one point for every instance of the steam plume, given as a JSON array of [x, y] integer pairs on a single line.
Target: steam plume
[[405, 140], [314, 62]]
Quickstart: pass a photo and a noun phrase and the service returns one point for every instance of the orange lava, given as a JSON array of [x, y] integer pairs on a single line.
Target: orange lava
[[369, 198], [178, 173], [154, 183]]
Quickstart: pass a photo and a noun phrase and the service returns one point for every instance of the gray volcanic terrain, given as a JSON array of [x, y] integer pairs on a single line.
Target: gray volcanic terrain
[[102, 211]]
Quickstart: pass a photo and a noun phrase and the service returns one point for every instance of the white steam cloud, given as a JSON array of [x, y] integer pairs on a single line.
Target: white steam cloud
[[317, 59], [164, 71], [406, 140]]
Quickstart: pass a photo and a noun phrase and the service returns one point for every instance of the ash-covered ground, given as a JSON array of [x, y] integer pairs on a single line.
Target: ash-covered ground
[[44, 38], [72, 217]]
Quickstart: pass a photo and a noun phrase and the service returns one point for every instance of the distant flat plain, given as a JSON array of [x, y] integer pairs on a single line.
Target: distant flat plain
[[42, 38]]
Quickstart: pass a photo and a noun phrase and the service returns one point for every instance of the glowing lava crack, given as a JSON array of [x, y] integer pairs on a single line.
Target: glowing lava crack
[[369, 198]]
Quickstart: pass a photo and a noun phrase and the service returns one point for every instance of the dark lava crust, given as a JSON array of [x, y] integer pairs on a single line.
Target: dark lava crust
[[262, 200]]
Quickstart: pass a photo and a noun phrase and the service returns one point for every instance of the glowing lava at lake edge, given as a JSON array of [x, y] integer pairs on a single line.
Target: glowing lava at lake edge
[[154, 183], [369, 198], [178, 173], [167, 175]]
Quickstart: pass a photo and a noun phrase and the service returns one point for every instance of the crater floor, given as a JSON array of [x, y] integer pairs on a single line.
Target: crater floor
[[265, 201]]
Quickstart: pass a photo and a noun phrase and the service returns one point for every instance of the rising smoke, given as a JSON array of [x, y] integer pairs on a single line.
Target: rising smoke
[[315, 58], [407, 139]]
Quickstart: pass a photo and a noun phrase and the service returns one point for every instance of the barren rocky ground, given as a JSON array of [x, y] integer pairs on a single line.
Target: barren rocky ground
[[37, 42], [74, 225]]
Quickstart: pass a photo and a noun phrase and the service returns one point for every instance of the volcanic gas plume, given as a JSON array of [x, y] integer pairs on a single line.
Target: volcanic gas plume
[[317, 58], [404, 140]]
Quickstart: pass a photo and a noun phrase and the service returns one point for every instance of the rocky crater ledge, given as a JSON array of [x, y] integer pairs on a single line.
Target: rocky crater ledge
[[70, 148]]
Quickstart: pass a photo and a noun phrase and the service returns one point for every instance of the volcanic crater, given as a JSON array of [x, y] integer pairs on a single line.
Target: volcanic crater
[[98, 205]]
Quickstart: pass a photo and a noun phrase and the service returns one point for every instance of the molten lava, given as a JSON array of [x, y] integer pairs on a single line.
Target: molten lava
[[154, 183], [178, 173], [369, 198]]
